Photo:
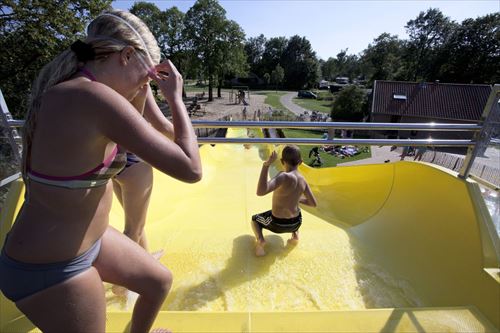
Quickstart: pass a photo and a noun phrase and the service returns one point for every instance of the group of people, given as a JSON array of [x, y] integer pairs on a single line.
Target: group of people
[[92, 118], [245, 116], [314, 116], [417, 152]]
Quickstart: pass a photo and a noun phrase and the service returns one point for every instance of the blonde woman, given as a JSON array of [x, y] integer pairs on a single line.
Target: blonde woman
[[80, 119]]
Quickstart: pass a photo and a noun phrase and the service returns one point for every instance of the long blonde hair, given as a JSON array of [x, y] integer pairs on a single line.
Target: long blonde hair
[[108, 33]]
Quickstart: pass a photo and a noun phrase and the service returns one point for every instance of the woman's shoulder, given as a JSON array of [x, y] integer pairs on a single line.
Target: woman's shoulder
[[80, 89], [84, 95]]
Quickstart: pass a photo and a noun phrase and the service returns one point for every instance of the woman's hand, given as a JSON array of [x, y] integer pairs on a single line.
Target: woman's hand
[[169, 80], [140, 98]]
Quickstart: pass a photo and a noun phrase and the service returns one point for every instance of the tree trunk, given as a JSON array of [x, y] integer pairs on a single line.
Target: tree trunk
[[210, 86], [219, 87]]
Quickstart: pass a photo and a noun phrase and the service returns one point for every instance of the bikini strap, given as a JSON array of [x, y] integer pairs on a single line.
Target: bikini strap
[[88, 74]]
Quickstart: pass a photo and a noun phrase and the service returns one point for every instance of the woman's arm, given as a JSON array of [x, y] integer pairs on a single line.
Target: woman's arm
[[117, 119], [155, 117]]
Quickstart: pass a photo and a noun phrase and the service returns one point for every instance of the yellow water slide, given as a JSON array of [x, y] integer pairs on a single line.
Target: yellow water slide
[[398, 247]]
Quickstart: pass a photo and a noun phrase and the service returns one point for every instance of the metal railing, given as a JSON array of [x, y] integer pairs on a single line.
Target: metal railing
[[482, 132], [353, 142], [337, 125]]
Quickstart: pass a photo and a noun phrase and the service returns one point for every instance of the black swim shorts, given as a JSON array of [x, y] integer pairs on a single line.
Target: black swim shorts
[[267, 221]]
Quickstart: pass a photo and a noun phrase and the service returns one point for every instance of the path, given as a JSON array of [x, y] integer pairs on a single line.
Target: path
[[288, 103]]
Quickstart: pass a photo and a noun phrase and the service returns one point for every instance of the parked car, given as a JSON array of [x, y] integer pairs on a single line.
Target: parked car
[[306, 94]]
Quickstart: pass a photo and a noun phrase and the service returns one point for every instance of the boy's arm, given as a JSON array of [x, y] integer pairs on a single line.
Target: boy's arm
[[309, 199], [263, 186]]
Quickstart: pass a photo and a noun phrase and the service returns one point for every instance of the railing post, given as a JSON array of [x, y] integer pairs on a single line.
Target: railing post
[[12, 134], [482, 137]]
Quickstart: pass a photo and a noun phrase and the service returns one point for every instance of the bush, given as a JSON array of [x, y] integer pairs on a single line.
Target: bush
[[351, 104]]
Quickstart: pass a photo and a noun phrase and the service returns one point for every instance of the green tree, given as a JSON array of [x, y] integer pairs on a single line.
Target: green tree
[[204, 28], [152, 16], [32, 33], [473, 52], [277, 76], [300, 63], [173, 41], [231, 53], [273, 53], [428, 33], [347, 65], [329, 69], [382, 60], [350, 104], [254, 48]]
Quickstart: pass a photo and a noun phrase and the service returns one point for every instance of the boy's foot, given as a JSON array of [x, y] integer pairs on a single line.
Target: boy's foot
[[294, 240], [259, 249]]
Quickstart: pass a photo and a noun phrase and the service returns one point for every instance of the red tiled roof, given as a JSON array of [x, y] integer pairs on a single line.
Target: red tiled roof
[[431, 100]]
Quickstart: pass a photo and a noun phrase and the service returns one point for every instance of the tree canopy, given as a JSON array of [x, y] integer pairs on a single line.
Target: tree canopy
[[32, 33]]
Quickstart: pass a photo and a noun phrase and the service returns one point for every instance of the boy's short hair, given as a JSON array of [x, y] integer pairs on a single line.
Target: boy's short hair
[[291, 155]]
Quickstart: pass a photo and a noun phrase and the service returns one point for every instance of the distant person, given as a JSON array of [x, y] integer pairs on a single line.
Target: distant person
[[241, 97], [404, 153], [244, 113], [289, 189], [314, 152], [258, 115], [420, 153]]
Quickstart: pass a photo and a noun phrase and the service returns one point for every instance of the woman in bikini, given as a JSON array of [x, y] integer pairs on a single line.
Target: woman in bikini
[[81, 119]]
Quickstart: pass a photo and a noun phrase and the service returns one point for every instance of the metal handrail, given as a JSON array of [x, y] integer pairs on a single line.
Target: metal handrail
[[15, 123], [354, 142], [483, 136], [318, 124], [337, 125]]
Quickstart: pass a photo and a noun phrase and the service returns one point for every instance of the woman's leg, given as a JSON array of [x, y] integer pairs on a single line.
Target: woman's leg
[[123, 262], [75, 305], [134, 185]]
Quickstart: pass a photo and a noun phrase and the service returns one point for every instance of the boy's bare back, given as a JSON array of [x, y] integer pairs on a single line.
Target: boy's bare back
[[286, 197], [289, 187]]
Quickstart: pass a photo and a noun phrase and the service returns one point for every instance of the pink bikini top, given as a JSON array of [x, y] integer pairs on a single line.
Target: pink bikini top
[[98, 176]]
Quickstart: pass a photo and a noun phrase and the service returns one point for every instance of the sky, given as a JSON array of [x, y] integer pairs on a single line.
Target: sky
[[333, 25]]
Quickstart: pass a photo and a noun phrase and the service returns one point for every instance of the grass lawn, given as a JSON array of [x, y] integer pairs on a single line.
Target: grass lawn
[[193, 88], [328, 160], [273, 99], [314, 104]]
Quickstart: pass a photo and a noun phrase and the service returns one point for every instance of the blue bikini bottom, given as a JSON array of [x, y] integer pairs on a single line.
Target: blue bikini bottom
[[19, 280]]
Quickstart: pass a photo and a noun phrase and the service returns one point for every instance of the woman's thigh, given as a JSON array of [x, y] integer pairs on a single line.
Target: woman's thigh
[[75, 305], [135, 184], [123, 262]]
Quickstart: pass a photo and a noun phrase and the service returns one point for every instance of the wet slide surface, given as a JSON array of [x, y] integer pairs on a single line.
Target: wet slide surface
[[381, 252]]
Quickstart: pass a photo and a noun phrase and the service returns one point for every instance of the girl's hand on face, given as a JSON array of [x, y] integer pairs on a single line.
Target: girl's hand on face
[[169, 80], [139, 99]]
